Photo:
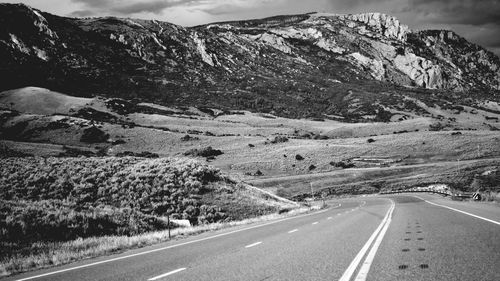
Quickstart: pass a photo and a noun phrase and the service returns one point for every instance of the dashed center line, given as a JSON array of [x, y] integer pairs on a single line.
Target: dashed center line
[[329, 218], [252, 245], [292, 231], [167, 274], [315, 222]]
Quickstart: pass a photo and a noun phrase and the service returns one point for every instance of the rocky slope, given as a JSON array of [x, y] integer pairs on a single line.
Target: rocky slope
[[297, 66]]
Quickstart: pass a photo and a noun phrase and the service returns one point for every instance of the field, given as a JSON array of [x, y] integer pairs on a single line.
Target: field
[[55, 200], [427, 135], [113, 170]]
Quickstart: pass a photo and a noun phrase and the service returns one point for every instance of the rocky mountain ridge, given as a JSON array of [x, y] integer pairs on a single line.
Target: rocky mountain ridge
[[296, 66]]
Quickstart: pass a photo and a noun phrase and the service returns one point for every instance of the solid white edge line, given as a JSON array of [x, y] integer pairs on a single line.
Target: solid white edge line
[[292, 231], [365, 268], [252, 245], [167, 274], [329, 218], [460, 211], [167, 247], [355, 262], [314, 223]]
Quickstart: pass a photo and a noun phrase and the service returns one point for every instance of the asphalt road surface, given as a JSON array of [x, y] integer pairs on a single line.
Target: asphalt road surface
[[397, 237]]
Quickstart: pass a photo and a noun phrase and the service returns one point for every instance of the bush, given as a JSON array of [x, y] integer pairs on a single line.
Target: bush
[[94, 135], [65, 198], [312, 167], [203, 152], [189, 138], [436, 127], [144, 154], [278, 139], [343, 164], [370, 140], [299, 157]]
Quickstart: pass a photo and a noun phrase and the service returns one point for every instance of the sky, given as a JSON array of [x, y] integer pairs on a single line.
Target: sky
[[476, 20]]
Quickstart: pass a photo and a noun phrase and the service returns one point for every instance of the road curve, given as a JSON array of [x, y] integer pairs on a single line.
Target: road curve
[[398, 237]]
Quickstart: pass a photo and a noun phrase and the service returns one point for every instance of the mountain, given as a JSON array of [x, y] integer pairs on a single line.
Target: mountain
[[310, 65]]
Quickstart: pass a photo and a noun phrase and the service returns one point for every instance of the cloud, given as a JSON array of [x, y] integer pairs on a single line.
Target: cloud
[[228, 7], [154, 7], [128, 7], [81, 13], [471, 12]]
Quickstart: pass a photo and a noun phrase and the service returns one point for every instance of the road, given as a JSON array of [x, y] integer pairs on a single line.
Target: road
[[397, 237]]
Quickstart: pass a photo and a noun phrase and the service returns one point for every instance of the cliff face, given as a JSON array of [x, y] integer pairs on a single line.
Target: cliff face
[[276, 63]]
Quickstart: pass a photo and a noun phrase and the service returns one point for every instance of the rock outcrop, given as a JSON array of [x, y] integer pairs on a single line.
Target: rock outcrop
[[387, 25], [421, 71], [288, 65], [373, 65]]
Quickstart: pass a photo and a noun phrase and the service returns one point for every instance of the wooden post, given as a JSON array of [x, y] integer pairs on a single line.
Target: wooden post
[[168, 226]]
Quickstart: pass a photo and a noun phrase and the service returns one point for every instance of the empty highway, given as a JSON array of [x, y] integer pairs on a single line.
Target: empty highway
[[397, 237]]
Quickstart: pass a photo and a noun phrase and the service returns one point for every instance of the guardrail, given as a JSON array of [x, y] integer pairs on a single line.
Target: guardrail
[[454, 196], [445, 193]]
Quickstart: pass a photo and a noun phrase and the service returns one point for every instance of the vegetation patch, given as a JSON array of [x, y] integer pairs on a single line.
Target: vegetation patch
[[277, 139], [94, 135], [46, 201], [207, 152]]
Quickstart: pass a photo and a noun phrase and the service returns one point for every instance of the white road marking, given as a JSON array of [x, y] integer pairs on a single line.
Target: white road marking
[[292, 231], [252, 245], [315, 222], [354, 264], [167, 247], [460, 211], [365, 268], [329, 218], [167, 274]]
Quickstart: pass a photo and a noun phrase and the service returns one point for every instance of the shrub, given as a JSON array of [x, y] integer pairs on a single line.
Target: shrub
[[65, 198], [312, 167], [119, 141], [343, 164], [258, 173], [203, 152], [278, 139], [144, 154], [320, 137], [299, 157], [370, 140], [189, 138], [436, 127], [94, 135]]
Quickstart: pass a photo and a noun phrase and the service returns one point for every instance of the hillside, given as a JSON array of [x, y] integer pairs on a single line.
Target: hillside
[[355, 67], [259, 147]]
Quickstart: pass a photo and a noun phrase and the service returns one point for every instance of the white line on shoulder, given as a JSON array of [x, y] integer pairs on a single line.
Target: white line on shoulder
[[252, 245], [167, 274], [460, 211]]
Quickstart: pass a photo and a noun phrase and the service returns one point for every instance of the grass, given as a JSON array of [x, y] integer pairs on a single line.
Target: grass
[[48, 254], [372, 180]]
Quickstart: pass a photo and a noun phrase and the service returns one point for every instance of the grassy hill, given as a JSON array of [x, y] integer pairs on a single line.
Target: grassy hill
[[54, 200], [257, 147]]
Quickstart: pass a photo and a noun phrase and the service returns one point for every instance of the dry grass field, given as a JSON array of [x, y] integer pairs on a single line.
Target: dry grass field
[[277, 153]]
